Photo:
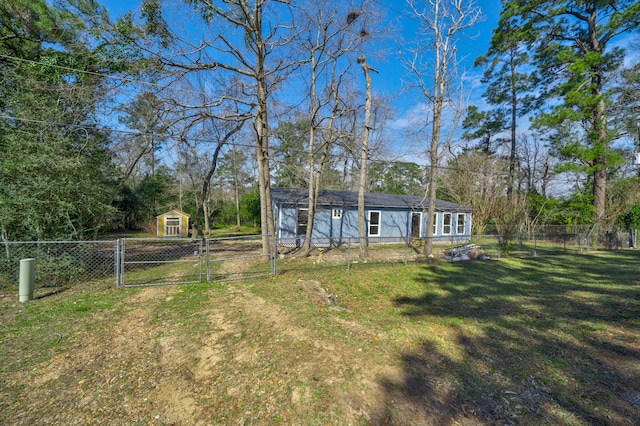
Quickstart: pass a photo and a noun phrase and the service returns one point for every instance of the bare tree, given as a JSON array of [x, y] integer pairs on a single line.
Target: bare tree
[[535, 164], [441, 22], [331, 36], [222, 132], [362, 233], [244, 40], [477, 180]]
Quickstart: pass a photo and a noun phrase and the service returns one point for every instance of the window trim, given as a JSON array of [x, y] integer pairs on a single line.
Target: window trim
[[298, 220], [435, 223], [420, 216], [444, 223], [463, 224], [379, 224]]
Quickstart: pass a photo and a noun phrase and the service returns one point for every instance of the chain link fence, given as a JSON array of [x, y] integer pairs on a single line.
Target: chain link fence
[[59, 263], [158, 261], [133, 262], [508, 240]]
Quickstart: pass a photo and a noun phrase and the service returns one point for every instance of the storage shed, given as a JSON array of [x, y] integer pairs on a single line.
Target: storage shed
[[174, 223], [388, 217]]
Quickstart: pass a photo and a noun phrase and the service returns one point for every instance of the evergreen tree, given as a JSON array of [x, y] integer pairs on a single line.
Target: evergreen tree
[[573, 44], [54, 164], [509, 86]]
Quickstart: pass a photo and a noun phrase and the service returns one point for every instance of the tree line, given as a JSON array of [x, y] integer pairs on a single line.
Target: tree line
[[203, 106]]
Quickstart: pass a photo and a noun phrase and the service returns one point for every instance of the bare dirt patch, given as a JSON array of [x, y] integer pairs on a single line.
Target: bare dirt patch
[[141, 369]]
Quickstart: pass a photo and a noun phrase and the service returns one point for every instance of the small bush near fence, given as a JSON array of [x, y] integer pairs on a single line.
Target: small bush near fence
[[58, 263]]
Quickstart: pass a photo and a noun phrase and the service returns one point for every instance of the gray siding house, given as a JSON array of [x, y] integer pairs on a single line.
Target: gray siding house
[[388, 217]]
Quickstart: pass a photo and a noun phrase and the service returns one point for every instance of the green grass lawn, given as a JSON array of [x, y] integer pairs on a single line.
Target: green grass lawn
[[538, 340]]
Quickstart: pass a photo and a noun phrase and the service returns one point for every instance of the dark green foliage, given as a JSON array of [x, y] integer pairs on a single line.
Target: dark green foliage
[[483, 126], [152, 196], [250, 207], [631, 218], [396, 178], [55, 167], [542, 209], [290, 153], [577, 210], [627, 103], [225, 212]]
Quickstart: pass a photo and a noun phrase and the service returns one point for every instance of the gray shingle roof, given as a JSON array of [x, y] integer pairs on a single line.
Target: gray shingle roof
[[349, 199]]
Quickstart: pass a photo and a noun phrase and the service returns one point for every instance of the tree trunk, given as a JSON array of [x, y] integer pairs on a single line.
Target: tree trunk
[[600, 133], [312, 191], [433, 172], [207, 226], [262, 137], [362, 231], [514, 117], [236, 185]]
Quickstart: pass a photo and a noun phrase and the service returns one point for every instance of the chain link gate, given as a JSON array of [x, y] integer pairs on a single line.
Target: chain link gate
[[149, 261], [163, 261]]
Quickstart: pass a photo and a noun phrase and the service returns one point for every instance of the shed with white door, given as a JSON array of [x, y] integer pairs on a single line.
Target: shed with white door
[[174, 223]]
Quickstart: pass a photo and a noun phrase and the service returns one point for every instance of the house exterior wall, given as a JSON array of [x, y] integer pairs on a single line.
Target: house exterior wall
[[453, 236], [394, 224]]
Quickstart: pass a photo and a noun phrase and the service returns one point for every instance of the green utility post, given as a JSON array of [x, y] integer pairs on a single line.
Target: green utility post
[[27, 276]]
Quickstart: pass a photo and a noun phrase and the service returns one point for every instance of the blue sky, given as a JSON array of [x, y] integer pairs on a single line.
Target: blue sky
[[468, 48], [392, 75], [409, 106]]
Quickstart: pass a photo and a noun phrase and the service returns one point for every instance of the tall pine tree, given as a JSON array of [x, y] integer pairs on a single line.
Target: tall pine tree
[[573, 44]]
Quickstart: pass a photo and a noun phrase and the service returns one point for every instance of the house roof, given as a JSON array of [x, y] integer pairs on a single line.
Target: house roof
[[175, 212], [349, 199]]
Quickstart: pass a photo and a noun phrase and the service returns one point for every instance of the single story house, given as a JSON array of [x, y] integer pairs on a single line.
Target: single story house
[[388, 217], [174, 223]]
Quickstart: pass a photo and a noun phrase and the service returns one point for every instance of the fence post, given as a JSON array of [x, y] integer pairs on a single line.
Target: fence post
[[200, 254], [116, 262], [349, 253], [122, 260], [207, 251], [274, 261], [406, 250]]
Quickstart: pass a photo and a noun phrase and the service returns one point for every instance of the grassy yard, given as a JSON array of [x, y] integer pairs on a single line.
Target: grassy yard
[[540, 340]]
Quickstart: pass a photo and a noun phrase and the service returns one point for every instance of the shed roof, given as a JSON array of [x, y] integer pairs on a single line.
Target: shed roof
[[175, 212], [349, 199]]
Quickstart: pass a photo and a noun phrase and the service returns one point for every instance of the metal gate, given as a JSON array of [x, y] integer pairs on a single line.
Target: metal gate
[[162, 261]]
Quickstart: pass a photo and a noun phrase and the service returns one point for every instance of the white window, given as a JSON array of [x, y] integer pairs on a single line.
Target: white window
[[435, 223], [460, 228], [446, 224], [416, 225], [336, 213], [303, 220], [374, 223]]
